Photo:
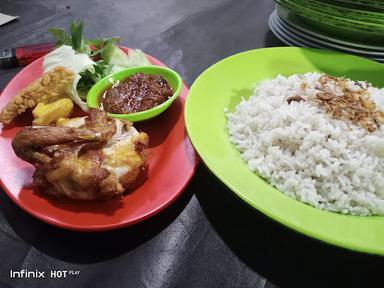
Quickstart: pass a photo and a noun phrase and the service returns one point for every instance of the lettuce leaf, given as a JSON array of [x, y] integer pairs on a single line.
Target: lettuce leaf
[[67, 57]]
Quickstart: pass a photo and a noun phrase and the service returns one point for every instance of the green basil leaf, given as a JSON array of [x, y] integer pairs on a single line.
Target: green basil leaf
[[61, 36], [77, 36], [72, 27]]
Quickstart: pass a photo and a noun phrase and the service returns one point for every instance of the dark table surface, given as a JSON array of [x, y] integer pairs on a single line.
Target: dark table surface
[[208, 237]]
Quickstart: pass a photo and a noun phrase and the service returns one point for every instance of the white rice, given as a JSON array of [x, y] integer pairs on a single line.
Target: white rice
[[328, 163]]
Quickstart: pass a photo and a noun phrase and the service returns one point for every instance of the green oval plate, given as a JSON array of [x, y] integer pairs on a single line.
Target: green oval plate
[[222, 86]]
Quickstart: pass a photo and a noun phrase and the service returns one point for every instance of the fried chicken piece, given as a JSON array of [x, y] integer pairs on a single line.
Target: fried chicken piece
[[53, 85], [99, 159]]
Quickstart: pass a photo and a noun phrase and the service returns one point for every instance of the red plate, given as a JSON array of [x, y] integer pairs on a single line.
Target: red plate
[[171, 164]]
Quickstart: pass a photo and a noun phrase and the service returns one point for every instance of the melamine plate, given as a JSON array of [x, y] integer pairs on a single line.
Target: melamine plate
[[344, 28], [222, 86], [297, 40], [171, 164], [325, 43]]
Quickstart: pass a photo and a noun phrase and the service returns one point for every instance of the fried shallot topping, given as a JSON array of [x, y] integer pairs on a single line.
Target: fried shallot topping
[[355, 106]]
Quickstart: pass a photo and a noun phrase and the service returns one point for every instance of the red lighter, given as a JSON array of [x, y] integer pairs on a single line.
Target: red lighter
[[21, 56]]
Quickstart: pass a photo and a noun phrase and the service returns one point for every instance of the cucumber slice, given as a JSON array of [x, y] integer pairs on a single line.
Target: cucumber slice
[[116, 57]]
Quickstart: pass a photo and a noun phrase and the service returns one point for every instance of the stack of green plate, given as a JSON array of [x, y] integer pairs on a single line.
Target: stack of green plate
[[355, 26]]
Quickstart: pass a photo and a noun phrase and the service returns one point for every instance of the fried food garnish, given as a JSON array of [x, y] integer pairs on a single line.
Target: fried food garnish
[[53, 85], [355, 106], [46, 114]]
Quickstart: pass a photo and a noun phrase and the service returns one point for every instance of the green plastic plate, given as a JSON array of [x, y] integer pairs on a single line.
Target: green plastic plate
[[340, 11], [346, 28], [222, 86], [374, 5]]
